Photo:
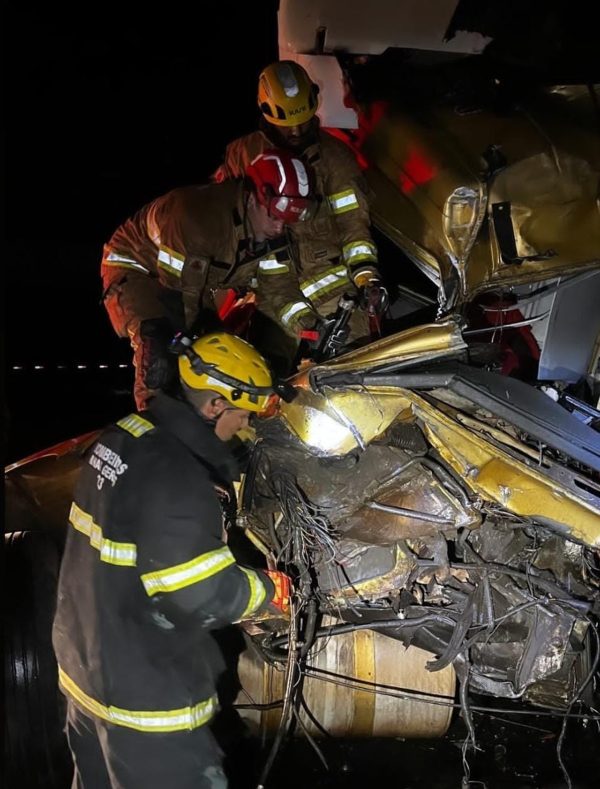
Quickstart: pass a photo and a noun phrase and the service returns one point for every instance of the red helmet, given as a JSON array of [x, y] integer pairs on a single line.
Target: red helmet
[[283, 184]]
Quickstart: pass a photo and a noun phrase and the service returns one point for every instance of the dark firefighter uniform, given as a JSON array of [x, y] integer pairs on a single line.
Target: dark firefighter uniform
[[166, 260], [334, 250], [145, 578]]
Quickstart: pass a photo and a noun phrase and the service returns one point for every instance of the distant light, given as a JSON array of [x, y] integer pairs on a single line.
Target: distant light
[[68, 366]]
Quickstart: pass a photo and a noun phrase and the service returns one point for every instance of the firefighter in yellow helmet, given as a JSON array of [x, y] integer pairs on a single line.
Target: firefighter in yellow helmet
[[146, 578], [335, 252]]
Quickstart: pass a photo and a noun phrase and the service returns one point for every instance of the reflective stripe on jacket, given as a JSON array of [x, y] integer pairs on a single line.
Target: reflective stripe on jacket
[[145, 575], [164, 260], [141, 720], [338, 234]]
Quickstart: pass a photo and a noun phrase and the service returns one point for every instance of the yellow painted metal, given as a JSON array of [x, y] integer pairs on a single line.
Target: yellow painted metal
[[338, 422], [429, 341], [498, 434], [364, 667], [350, 712], [551, 182], [497, 476]]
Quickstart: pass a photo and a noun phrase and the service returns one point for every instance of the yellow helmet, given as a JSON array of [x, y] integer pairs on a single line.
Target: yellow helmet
[[286, 94], [228, 365]]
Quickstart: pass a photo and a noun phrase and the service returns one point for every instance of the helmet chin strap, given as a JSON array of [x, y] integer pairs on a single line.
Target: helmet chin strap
[[246, 223], [187, 395], [212, 421]]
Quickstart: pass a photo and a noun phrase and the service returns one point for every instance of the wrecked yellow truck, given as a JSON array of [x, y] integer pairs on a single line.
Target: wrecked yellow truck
[[439, 516], [442, 526]]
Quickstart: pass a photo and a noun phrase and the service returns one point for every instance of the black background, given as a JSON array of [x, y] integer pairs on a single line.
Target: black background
[[106, 108], [109, 105]]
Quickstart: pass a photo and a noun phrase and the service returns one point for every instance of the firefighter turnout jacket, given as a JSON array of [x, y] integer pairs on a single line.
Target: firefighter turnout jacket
[[163, 261], [334, 250], [168, 259], [146, 576]]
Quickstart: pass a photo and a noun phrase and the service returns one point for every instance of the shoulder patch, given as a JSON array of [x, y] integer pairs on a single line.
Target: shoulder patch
[[135, 424]]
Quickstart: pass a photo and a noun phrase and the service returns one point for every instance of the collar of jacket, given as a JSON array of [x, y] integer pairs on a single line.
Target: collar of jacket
[[310, 152], [180, 419]]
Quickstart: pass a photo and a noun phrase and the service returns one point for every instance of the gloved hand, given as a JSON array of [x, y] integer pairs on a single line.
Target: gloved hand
[[280, 602], [159, 366], [374, 298]]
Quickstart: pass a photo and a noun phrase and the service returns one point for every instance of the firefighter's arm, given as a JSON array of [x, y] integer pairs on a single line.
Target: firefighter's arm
[[133, 296], [186, 570], [346, 192], [279, 295], [146, 289], [137, 310], [233, 164]]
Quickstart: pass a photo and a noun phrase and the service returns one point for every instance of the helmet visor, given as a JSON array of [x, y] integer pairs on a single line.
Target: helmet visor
[[290, 209]]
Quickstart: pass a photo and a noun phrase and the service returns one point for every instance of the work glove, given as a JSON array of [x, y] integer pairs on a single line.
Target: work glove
[[159, 366], [280, 602], [374, 298]]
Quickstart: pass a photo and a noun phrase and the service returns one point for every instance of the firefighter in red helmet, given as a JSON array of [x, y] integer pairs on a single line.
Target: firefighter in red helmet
[[162, 266], [334, 250]]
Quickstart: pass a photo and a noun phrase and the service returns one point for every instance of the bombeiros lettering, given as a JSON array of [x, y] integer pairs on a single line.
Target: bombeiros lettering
[[108, 463]]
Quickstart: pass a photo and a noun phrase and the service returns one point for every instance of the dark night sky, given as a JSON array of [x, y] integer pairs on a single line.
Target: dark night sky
[[105, 109], [109, 105], [107, 112]]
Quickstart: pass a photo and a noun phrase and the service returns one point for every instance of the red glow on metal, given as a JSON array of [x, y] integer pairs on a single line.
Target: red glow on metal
[[520, 352], [78, 445], [355, 139], [418, 169]]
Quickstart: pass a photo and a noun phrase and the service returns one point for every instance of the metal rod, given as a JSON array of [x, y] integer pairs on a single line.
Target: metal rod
[[415, 514], [502, 326]]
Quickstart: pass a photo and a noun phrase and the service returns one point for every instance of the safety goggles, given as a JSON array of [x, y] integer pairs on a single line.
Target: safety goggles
[[290, 209]]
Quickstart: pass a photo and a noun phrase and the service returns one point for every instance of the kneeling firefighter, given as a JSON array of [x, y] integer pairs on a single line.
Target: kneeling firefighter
[[146, 577]]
